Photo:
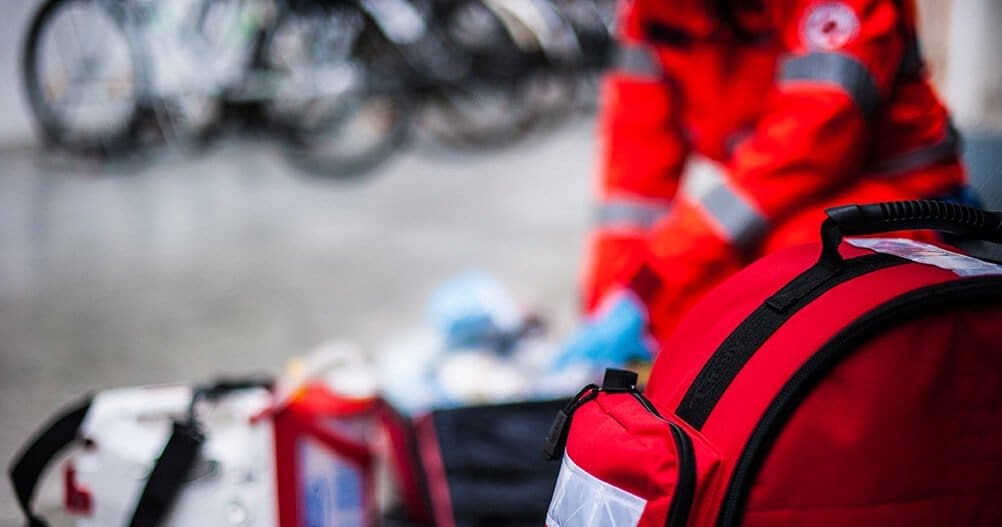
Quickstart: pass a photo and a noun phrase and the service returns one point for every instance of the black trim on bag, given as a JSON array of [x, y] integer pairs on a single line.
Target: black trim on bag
[[963, 293], [734, 352], [685, 489], [625, 382]]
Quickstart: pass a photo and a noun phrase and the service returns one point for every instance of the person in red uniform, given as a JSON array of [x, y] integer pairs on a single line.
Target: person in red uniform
[[775, 110]]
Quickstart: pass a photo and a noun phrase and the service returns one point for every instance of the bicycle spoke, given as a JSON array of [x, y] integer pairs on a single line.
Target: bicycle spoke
[[79, 48], [100, 40], [84, 76], [61, 50]]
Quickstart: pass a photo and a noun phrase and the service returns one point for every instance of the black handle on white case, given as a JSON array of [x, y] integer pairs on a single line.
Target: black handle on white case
[[27, 468], [169, 473], [891, 216], [184, 446], [63, 430]]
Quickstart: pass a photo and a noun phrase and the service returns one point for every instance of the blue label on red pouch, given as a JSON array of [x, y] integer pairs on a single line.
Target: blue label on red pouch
[[333, 489]]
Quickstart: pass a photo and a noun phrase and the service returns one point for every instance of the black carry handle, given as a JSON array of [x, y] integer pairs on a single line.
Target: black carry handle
[[63, 429], [222, 386], [29, 465], [170, 472], [961, 220], [168, 475]]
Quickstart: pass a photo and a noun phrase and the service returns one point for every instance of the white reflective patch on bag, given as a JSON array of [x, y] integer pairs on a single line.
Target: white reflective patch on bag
[[582, 499], [925, 253]]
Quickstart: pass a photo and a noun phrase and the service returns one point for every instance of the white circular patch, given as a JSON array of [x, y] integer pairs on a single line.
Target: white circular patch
[[829, 25]]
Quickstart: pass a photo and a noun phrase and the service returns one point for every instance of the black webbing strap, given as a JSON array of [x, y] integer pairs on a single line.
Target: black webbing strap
[[45, 445], [172, 468], [168, 474], [738, 348]]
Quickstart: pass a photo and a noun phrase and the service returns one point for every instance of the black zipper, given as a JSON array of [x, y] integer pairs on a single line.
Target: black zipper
[[924, 301], [685, 489]]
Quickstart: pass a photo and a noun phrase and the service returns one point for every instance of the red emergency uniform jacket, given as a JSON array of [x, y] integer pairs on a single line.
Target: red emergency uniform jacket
[[793, 107]]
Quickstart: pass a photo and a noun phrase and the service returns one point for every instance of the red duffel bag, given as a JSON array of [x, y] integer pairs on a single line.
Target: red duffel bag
[[863, 388]]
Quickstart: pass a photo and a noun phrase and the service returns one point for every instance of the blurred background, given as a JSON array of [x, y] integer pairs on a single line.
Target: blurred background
[[246, 179]]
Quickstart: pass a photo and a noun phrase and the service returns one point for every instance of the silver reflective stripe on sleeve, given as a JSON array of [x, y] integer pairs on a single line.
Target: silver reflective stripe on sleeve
[[739, 219], [922, 157], [834, 68], [582, 499], [629, 213], [638, 60]]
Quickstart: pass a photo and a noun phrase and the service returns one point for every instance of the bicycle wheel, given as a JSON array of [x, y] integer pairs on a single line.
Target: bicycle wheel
[[488, 108], [479, 114], [340, 103], [81, 76]]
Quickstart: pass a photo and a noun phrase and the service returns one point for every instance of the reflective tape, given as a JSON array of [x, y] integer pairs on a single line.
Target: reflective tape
[[629, 213], [835, 68], [639, 60], [738, 218], [582, 499], [742, 223], [922, 157]]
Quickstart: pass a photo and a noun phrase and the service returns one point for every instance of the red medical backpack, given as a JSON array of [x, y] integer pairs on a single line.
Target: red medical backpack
[[863, 388]]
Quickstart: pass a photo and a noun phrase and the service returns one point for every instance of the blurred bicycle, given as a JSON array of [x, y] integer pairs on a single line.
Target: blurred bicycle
[[109, 76], [338, 82]]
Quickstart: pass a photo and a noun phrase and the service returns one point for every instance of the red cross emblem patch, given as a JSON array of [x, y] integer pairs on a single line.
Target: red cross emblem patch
[[829, 25]]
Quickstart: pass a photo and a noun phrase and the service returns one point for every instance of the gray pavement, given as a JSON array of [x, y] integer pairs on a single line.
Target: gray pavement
[[231, 262]]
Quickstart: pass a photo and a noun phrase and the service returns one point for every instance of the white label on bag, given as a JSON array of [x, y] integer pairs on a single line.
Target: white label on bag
[[582, 499], [925, 253]]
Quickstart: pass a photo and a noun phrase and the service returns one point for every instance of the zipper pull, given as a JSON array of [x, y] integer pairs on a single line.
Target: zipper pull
[[556, 439], [617, 380]]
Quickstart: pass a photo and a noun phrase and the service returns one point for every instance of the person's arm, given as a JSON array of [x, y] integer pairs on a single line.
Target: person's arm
[[842, 62], [641, 155]]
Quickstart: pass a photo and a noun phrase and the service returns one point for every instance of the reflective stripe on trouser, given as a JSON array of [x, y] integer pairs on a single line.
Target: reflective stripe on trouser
[[738, 219], [637, 60], [582, 499], [620, 212], [834, 68]]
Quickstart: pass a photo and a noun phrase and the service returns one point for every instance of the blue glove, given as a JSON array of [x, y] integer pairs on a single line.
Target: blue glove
[[616, 334]]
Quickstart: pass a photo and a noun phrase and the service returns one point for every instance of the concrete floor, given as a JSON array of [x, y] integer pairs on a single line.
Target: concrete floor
[[230, 262]]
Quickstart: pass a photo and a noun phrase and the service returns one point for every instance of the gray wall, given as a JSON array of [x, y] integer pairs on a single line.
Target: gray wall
[[974, 71], [15, 128]]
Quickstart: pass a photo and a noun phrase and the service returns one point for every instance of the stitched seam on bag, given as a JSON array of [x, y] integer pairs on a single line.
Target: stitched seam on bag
[[615, 418]]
